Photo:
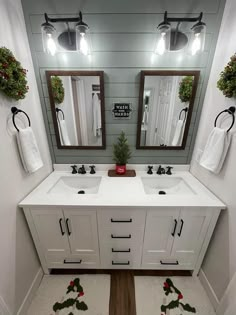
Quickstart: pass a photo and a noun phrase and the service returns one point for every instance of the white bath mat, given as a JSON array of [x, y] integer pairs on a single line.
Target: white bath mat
[[72, 295], [171, 296]]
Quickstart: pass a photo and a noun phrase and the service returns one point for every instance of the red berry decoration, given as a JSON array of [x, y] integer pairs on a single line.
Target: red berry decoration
[[180, 296], [166, 285], [81, 294], [72, 283]]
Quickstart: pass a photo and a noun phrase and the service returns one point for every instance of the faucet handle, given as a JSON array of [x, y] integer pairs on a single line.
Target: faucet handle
[[169, 168], [74, 169], [150, 170], [92, 169]]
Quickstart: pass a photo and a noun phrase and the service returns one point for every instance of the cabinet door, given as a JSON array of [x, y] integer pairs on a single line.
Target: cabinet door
[[191, 231], [82, 230], [159, 235], [51, 230]]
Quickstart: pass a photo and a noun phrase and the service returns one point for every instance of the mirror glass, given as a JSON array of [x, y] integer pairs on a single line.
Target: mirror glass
[[165, 107], [77, 104]]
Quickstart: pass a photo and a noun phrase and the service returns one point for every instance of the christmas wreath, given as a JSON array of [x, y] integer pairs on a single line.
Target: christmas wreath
[[227, 81], [185, 89], [57, 90], [12, 76]]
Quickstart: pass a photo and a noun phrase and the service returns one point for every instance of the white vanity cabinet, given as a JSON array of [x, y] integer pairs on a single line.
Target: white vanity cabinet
[[121, 237], [174, 237], [65, 238]]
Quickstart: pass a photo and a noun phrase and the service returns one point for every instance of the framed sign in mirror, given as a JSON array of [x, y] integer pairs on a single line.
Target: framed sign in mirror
[[77, 104], [166, 100]]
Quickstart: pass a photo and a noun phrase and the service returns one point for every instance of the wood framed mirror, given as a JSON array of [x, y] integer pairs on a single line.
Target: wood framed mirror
[[78, 110], [166, 100]]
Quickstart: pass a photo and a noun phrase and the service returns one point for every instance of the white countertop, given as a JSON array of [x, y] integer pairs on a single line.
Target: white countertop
[[121, 191]]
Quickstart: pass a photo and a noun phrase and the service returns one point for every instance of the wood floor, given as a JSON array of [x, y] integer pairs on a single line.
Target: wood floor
[[122, 295]]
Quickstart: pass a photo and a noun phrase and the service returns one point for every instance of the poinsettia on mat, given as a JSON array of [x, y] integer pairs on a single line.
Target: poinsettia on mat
[[169, 288], [74, 287]]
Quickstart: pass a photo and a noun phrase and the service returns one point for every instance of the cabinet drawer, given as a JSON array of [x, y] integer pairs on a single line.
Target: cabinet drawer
[[120, 260], [72, 261], [130, 219], [157, 261]]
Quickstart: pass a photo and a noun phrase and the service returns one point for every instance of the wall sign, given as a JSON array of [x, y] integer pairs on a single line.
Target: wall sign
[[122, 110]]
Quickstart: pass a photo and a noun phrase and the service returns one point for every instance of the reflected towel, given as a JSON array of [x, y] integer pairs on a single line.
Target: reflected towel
[[145, 119], [215, 150], [29, 151], [97, 119], [177, 139], [64, 133]]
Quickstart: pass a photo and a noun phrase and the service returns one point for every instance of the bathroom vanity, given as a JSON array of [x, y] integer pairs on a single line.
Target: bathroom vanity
[[121, 222]]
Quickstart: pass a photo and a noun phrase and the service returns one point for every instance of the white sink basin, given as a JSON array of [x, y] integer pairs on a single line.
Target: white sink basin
[[76, 185], [166, 186]]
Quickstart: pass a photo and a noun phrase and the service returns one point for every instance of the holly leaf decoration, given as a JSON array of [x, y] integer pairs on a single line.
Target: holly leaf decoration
[[59, 306], [81, 306], [188, 308]]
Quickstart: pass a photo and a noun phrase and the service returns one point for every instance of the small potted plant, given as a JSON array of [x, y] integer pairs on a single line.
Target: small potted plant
[[121, 153]]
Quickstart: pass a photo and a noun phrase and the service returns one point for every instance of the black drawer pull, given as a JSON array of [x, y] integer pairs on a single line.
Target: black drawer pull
[[120, 251], [72, 262], [62, 232], [173, 233], [112, 236], [166, 263], [121, 221], [181, 228], [120, 264]]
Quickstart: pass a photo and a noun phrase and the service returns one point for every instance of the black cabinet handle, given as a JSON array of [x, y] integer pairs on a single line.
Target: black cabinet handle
[[173, 233], [120, 264], [121, 221], [67, 225], [174, 263], [112, 236], [72, 262], [60, 222], [181, 228], [120, 251]]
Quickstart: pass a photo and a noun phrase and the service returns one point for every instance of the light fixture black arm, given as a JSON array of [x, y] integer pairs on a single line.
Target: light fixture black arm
[[182, 19]]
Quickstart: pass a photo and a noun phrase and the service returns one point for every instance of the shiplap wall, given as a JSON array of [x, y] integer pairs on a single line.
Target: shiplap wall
[[123, 38]]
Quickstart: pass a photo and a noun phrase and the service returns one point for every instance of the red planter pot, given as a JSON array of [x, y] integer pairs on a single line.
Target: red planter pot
[[120, 169]]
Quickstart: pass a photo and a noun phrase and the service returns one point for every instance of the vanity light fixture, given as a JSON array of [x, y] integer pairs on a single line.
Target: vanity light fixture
[[72, 39], [172, 39]]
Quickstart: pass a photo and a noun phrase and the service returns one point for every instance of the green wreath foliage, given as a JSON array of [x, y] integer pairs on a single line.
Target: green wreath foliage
[[13, 80], [58, 90], [227, 81], [185, 89]]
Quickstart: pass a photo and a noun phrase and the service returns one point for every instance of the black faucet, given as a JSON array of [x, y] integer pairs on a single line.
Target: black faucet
[[169, 168], [150, 170], [82, 170], [74, 169], [160, 170], [92, 169]]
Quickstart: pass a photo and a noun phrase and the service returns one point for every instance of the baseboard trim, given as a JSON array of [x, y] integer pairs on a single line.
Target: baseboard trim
[[209, 290], [30, 294]]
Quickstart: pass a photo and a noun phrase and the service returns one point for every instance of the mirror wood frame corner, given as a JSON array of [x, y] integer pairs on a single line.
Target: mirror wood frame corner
[[74, 73], [141, 108]]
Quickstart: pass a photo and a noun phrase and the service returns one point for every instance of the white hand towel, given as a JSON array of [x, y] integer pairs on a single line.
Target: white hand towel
[[215, 150], [64, 132], [177, 139], [29, 151], [97, 119], [145, 119]]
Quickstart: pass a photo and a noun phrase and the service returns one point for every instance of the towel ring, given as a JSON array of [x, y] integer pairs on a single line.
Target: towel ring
[[185, 110], [15, 111], [230, 111], [60, 110]]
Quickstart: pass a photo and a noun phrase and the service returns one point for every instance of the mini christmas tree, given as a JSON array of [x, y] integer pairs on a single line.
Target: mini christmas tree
[[121, 150]]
